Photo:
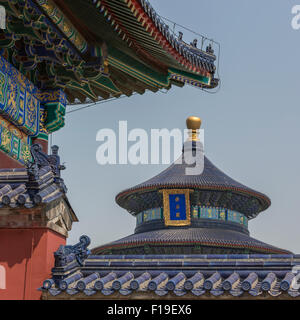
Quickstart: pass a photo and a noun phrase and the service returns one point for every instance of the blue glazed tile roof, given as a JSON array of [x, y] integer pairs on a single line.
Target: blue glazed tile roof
[[39, 183], [188, 276], [192, 236], [211, 179], [17, 191]]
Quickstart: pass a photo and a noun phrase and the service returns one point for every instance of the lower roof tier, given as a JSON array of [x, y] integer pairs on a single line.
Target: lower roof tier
[[170, 284], [188, 241], [78, 274]]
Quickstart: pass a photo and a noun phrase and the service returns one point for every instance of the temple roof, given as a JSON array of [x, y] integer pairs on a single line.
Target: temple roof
[[212, 180], [189, 237], [79, 275], [216, 208], [100, 49], [211, 177], [38, 184], [15, 190], [209, 185], [142, 28]]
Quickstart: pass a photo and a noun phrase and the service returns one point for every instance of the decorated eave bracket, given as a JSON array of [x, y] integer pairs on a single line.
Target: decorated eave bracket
[[26, 112], [63, 24], [34, 111], [51, 52]]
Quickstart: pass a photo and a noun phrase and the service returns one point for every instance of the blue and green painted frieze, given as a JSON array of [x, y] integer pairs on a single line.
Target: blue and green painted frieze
[[14, 142], [197, 212], [26, 112]]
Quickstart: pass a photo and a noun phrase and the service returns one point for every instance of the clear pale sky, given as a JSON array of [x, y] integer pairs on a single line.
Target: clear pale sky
[[251, 125]]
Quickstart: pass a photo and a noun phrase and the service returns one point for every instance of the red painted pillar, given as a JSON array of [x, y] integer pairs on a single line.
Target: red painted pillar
[[26, 255]]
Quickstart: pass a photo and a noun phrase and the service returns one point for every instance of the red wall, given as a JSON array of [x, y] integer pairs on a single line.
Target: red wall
[[7, 162], [27, 256]]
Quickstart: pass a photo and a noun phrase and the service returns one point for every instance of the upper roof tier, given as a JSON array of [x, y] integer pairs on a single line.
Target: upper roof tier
[[101, 49], [212, 188]]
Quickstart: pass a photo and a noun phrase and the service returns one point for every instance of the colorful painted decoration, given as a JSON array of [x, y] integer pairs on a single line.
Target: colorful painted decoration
[[30, 112], [176, 207], [64, 25], [55, 107], [197, 212], [148, 215], [14, 142], [194, 80], [18, 101], [45, 44]]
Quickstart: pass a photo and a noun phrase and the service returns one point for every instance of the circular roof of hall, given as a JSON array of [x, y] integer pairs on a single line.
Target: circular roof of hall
[[191, 237], [211, 179]]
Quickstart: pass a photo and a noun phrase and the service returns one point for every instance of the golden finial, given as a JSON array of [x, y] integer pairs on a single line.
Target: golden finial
[[193, 124]]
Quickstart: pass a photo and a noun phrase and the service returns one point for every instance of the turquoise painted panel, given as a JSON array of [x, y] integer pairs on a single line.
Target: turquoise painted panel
[[197, 212]]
